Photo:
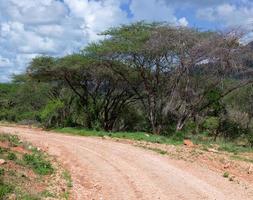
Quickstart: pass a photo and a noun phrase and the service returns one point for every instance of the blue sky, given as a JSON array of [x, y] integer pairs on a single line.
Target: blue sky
[[30, 28]]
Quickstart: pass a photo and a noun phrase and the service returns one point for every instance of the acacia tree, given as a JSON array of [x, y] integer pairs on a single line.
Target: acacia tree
[[212, 68], [177, 68], [102, 94], [128, 47]]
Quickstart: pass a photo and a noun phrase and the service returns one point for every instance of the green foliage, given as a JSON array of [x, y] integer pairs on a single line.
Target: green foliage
[[11, 156], [38, 163], [51, 113], [232, 130], [22, 101], [211, 123], [131, 119], [179, 135], [125, 39], [139, 136], [226, 174], [13, 140], [250, 137], [30, 197], [214, 97], [67, 177], [14, 178], [2, 171], [5, 189]]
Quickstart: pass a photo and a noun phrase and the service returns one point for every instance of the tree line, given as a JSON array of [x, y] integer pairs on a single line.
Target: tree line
[[150, 77]]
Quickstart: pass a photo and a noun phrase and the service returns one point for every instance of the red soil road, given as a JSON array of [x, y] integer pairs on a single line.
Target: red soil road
[[106, 170]]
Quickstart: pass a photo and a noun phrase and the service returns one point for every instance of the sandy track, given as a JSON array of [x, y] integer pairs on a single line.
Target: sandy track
[[107, 170]]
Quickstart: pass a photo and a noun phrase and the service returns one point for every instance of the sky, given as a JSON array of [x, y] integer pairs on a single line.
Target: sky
[[30, 28]]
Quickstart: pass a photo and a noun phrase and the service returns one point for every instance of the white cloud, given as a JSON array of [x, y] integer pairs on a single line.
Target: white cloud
[[33, 27], [97, 15], [14, 34], [229, 14], [33, 11], [183, 22], [57, 27]]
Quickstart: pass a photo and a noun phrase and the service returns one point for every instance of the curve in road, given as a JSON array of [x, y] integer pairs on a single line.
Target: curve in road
[[107, 170]]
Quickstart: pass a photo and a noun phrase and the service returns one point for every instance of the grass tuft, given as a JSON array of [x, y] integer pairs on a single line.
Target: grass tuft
[[226, 174], [12, 156], [38, 163], [5, 190]]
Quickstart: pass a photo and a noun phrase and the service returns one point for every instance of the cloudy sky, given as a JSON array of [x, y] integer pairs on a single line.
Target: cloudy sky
[[29, 28]]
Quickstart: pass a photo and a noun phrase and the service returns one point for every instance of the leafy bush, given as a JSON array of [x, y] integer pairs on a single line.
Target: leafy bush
[[11, 156], [179, 135], [38, 163], [13, 140], [2, 171], [250, 138], [210, 126], [190, 127], [226, 175], [51, 115], [232, 130], [4, 190], [211, 123]]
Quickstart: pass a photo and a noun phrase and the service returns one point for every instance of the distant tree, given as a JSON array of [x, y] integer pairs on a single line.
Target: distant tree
[[22, 99], [102, 94]]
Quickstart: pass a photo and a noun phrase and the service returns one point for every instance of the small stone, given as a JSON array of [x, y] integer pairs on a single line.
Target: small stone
[[2, 161], [226, 166], [232, 178], [250, 169], [213, 150], [106, 137], [188, 143]]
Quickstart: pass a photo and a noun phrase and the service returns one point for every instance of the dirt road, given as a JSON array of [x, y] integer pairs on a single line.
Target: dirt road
[[102, 169]]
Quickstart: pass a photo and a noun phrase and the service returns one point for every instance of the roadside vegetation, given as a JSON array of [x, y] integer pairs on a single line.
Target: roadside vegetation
[[204, 141], [152, 82], [139, 136], [26, 173]]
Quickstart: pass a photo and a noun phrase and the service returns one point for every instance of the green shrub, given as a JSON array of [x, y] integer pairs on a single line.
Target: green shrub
[[30, 197], [211, 123], [4, 190], [11, 156], [1, 171], [190, 126], [51, 115], [250, 138], [13, 140], [38, 163], [226, 175], [232, 130], [179, 136], [2, 150]]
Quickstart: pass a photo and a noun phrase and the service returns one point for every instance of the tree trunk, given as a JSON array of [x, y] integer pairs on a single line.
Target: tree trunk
[[216, 134], [181, 123], [156, 128]]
